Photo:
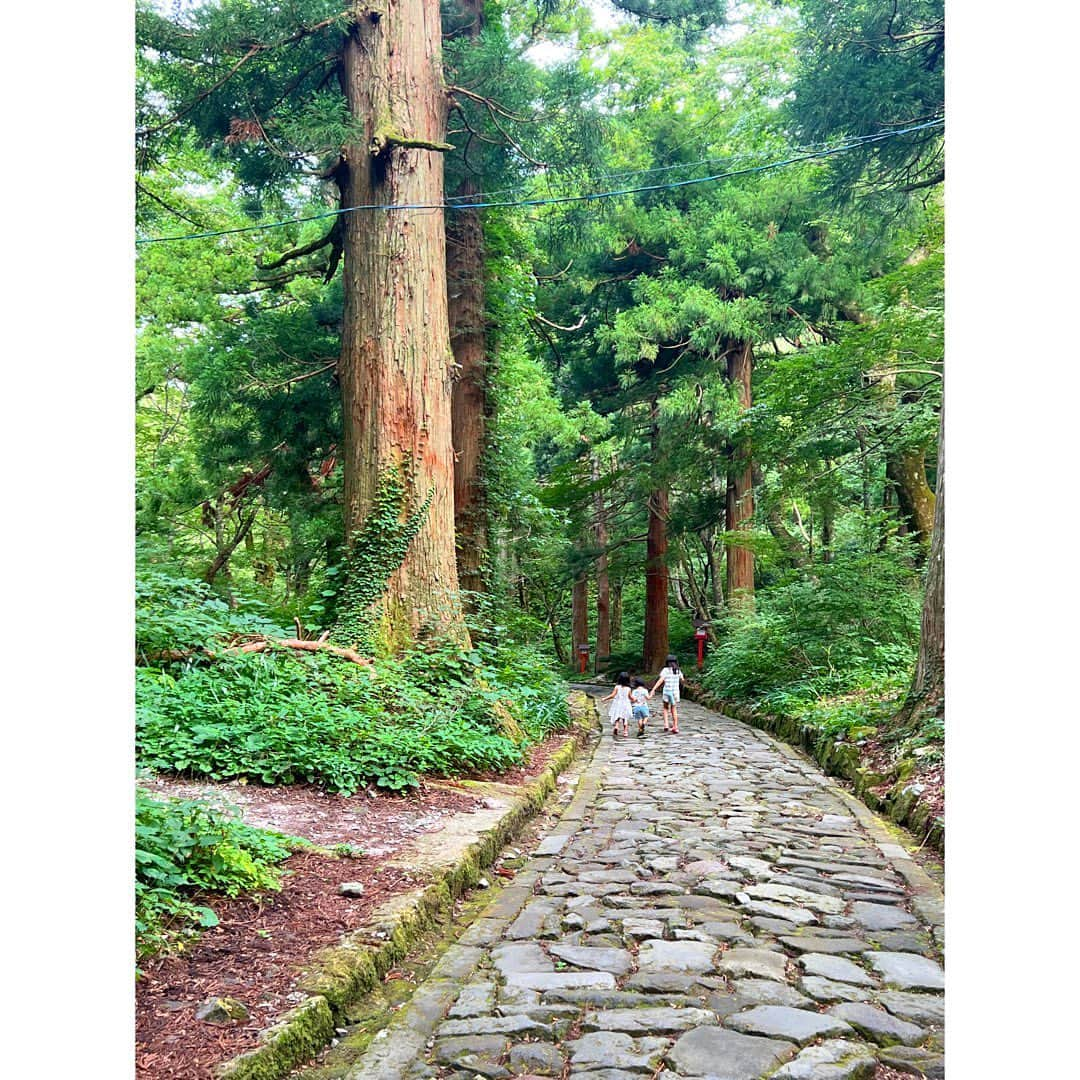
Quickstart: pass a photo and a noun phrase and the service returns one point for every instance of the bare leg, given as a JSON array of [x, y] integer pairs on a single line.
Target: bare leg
[[675, 719]]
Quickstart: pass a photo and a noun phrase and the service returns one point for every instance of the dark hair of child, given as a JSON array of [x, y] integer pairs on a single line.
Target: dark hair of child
[[623, 679], [672, 662], [637, 683]]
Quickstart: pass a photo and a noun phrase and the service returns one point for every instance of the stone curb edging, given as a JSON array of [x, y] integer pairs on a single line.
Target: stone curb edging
[[407, 1036], [837, 759], [346, 971]]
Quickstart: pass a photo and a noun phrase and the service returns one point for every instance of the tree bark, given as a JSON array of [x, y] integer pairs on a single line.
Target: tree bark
[[395, 369], [927, 693], [603, 590], [579, 619], [616, 612], [469, 405], [907, 470], [656, 569], [740, 486], [465, 284]]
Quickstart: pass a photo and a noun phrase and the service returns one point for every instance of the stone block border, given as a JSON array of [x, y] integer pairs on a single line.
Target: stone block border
[[341, 975], [836, 759]]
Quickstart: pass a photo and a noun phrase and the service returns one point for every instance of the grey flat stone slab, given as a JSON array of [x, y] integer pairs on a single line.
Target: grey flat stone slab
[[718, 887], [719, 1054], [879, 1025], [900, 940], [706, 867], [730, 932], [910, 1059], [768, 992], [908, 971], [475, 999], [804, 898], [836, 968], [918, 1008], [814, 943], [479, 1054], [537, 1059], [794, 916], [493, 1025], [510, 959], [552, 845], [836, 1059], [881, 916], [781, 1022], [530, 924], [686, 957], [827, 990], [617, 961], [664, 982], [761, 962], [616, 1049], [562, 980], [604, 877], [647, 1021]]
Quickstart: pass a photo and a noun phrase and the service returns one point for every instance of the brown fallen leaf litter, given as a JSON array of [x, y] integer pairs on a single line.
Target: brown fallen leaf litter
[[262, 943]]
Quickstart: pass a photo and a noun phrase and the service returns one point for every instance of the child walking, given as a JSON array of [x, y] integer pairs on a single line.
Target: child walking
[[620, 704], [639, 698], [670, 678]]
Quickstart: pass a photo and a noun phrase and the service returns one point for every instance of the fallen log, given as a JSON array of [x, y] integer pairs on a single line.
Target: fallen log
[[321, 645], [259, 645]]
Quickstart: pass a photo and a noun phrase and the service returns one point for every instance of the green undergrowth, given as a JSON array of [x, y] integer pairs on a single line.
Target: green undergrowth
[[284, 716], [185, 849], [834, 650]]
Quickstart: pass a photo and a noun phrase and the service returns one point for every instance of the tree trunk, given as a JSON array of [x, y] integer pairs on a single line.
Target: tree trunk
[[656, 569], [579, 619], [603, 591], [716, 586], [828, 525], [740, 487], [616, 612], [465, 284], [907, 470], [927, 693], [395, 368]]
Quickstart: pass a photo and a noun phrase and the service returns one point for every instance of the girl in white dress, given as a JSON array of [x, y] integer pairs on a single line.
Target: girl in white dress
[[620, 704]]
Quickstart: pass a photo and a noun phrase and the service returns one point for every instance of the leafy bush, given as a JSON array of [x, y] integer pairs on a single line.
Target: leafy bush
[[287, 717], [855, 624], [176, 612], [184, 848]]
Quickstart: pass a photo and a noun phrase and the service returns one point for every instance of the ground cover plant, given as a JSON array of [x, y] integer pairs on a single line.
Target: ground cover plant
[[185, 850], [282, 716]]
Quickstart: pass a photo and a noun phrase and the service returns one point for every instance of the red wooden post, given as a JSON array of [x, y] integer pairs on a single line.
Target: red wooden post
[[583, 656], [700, 636]]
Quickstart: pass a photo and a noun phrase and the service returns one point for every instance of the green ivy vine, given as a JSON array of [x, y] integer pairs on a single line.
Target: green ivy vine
[[378, 549]]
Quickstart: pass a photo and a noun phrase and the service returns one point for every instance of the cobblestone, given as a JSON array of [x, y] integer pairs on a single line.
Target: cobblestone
[[709, 906]]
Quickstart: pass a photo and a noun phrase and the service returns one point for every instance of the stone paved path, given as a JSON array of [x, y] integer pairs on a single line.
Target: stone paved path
[[710, 905]]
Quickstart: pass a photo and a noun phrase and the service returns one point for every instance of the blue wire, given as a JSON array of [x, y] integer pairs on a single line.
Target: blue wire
[[560, 199]]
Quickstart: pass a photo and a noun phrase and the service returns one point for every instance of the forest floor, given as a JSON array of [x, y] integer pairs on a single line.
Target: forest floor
[[709, 904], [262, 944]]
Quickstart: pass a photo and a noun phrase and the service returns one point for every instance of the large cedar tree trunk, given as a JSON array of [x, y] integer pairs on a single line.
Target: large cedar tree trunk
[[656, 569], [740, 484], [927, 693], [603, 590], [465, 285], [579, 617], [395, 369]]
